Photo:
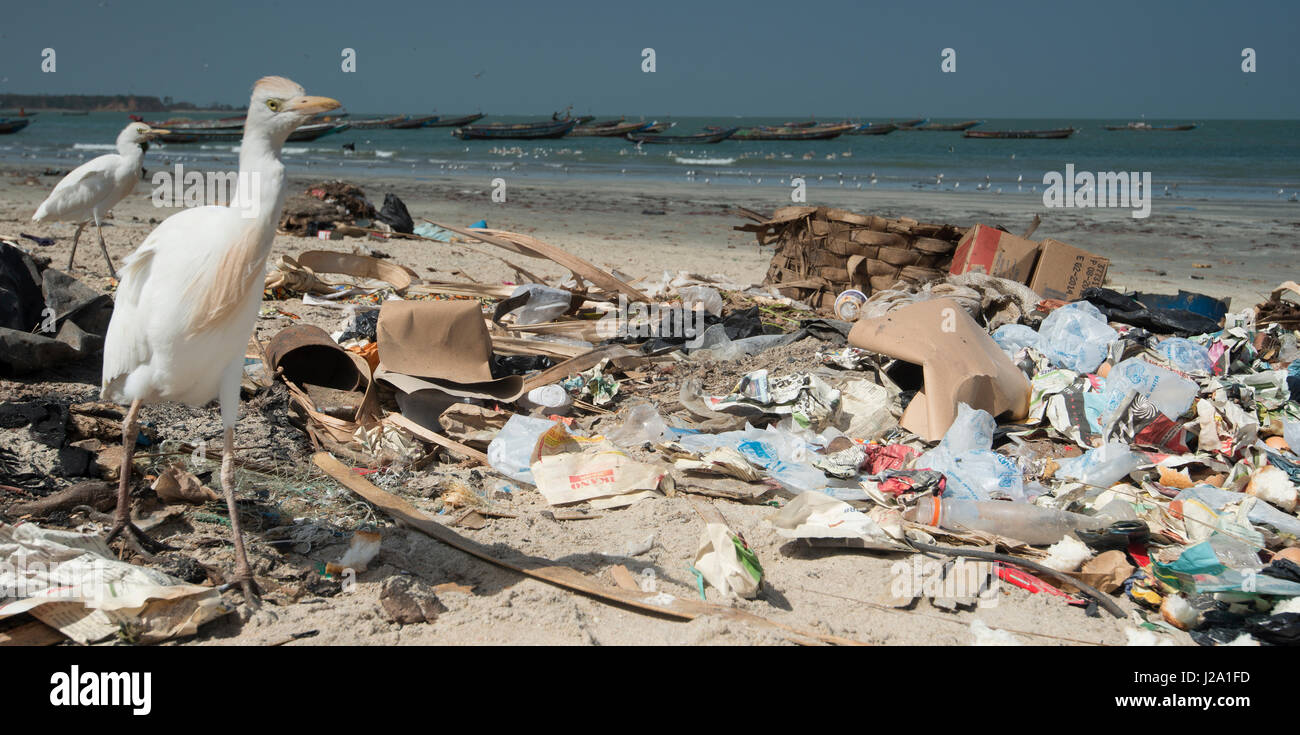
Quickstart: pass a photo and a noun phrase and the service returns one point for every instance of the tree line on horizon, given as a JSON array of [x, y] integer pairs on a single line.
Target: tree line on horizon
[[103, 102]]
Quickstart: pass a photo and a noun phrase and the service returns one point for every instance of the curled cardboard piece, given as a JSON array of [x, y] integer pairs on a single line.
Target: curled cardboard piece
[[300, 275], [960, 362]]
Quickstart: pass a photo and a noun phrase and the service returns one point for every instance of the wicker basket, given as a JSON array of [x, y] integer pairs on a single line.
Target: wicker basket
[[821, 252]]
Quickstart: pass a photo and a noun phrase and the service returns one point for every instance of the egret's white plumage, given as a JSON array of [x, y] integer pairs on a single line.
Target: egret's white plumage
[[189, 294], [96, 186]]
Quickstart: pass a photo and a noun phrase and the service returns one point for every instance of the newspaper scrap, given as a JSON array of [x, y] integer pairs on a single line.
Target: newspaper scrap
[[569, 469], [70, 582], [815, 515], [722, 461], [727, 563], [804, 397]]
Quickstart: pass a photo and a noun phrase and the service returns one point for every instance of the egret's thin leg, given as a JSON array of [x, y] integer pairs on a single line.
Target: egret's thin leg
[[122, 518], [243, 573], [104, 247], [73, 255]]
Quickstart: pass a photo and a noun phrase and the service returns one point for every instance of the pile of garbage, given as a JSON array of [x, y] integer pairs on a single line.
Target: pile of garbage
[[1128, 453]]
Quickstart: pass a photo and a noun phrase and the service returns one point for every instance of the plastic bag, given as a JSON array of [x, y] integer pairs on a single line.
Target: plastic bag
[[1100, 467], [643, 424], [544, 304], [1171, 394], [1291, 433], [1187, 356], [707, 297], [964, 456], [971, 430], [395, 215], [1076, 336], [1014, 337], [510, 452]]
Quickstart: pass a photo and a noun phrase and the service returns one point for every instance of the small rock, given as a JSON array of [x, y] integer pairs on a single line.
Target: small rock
[[406, 600]]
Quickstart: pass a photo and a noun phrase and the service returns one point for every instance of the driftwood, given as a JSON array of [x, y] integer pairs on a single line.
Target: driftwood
[[546, 570], [98, 495]]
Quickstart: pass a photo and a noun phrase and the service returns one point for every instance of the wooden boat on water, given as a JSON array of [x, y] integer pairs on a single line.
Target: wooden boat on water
[[1057, 133], [312, 132], [616, 129], [910, 123], [873, 129], [82, 113], [816, 132], [182, 123], [716, 136], [13, 125], [411, 123], [302, 134], [517, 131], [378, 122], [659, 127], [1149, 127], [967, 125], [455, 122]]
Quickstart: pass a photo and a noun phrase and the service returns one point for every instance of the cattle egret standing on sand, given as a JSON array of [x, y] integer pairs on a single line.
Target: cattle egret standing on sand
[[189, 296], [96, 186]]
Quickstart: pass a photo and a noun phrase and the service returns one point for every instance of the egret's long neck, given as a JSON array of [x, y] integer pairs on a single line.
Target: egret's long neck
[[260, 186], [132, 153]]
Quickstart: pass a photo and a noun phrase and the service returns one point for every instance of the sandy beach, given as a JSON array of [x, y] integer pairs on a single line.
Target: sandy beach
[[641, 229]]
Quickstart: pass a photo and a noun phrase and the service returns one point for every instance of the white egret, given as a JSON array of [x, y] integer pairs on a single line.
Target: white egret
[[189, 296], [96, 186]]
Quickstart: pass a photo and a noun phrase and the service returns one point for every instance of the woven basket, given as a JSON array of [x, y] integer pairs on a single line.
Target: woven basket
[[821, 252]]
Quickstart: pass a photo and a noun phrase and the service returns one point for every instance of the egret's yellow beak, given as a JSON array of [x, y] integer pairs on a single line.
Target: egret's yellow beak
[[312, 105], [154, 133]]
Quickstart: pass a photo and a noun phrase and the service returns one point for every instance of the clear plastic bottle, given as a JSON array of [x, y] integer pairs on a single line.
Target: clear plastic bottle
[[1029, 523]]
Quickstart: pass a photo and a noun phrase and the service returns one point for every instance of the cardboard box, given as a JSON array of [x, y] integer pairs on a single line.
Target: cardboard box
[[1064, 271], [991, 251]]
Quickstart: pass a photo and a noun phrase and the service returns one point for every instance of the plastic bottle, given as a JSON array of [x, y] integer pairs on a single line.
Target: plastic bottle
[[1029, 523]]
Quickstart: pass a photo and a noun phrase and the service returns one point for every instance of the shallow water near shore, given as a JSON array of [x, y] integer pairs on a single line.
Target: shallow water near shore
[[1219, 160]]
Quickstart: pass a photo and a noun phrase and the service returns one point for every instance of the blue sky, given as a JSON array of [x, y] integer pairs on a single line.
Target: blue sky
[[869, 59]]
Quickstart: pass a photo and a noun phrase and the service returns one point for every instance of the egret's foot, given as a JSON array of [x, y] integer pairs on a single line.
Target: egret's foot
[[142, 538]]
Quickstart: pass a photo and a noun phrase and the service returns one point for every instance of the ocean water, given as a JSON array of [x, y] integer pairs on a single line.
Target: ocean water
[[1221, 159]]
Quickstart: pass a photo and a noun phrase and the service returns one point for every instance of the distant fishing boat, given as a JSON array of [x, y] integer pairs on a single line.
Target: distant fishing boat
[[873, 129], [1149, 127], [378, 122], [815, 132], [516, 131], [799, 124], [708, 137], [302, 134], [1057, 133], [411, 123], [614, 129], [183, 123], [13, 125], [910, 123], [967, 125], [76, 114], [318, 130], [455, 122], [659, 127]]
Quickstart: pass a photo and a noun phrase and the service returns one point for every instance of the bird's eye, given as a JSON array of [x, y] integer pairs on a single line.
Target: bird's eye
[[273, 105]]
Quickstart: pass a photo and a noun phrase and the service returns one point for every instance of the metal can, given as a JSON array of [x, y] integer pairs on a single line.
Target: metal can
[[848, 305]]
